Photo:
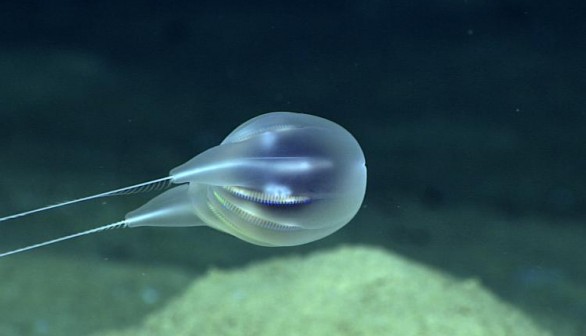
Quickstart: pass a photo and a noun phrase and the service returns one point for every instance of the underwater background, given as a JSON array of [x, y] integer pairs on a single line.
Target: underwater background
[[471, 115]]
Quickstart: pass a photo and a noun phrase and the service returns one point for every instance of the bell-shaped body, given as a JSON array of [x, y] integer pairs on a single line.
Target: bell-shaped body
[[279, 179]]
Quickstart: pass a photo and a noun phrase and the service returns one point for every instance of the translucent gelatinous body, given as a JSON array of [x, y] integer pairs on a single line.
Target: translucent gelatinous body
[[279, 179]]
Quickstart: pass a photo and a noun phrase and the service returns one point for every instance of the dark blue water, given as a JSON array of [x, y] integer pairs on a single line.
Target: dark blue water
[[470, 114]]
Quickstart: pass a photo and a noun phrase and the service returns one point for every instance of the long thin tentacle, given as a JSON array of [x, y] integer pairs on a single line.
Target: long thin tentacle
[[118, 225], [158, 184]]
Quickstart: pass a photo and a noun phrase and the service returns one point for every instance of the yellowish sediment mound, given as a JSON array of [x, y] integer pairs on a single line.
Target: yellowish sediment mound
[[347, 291]]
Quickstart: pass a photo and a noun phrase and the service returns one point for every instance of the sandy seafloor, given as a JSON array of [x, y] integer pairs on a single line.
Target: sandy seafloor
[[483, 274], [471, 265]]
